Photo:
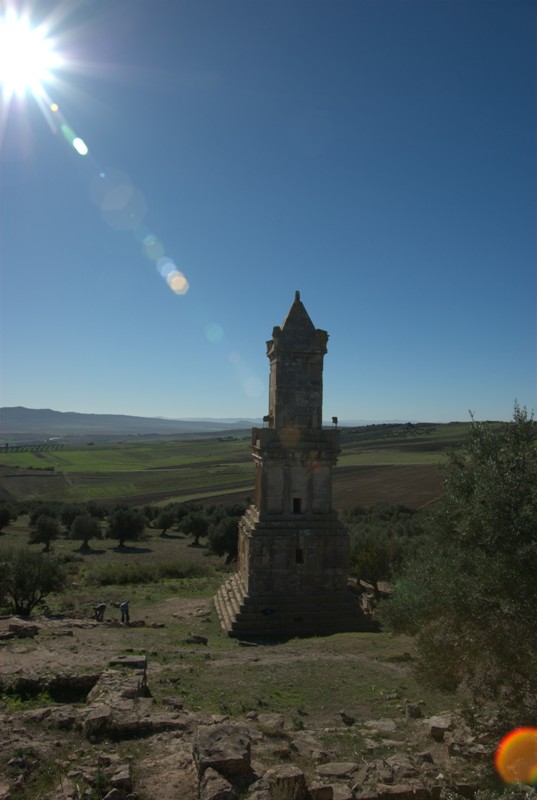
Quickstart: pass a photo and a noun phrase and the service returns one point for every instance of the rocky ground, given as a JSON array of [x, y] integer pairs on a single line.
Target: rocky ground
[[106, 736]]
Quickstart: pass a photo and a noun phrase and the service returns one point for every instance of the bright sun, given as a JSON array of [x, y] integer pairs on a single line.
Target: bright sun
[[26, 56]]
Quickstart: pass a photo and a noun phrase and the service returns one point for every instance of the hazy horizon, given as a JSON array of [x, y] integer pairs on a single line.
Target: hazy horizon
[[341, 421]]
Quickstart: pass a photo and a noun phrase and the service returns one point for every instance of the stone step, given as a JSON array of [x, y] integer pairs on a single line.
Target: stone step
[[228, 601], [232, 593], [225, 617], [290, 628], [287, 615]]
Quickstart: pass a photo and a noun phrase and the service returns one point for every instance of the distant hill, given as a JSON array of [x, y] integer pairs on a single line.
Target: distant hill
[[20, 422]]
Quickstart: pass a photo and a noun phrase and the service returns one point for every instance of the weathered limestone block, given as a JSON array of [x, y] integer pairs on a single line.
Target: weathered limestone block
[[115, 684], [225, 748], [129, 726], [342, 792], [320, 791], [439, 726], [98, 720], [287, 781], [381, 725], [122, 778], [134, 662], [271, 724], [309, 748], [382, 772], [214, 786], [64, 718], [337, 769], [260, 788], [401, 766], [23, 629]]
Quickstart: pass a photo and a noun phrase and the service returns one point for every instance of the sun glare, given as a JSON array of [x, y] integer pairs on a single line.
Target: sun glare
[[27, 57]]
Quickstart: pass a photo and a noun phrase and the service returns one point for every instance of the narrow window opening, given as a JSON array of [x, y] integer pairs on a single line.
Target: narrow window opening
[[297, 505], [299, 555]]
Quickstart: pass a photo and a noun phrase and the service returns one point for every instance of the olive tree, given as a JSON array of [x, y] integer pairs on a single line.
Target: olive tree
[[223, 539], [165, 520], [126, 524], [27, 577], [83, 528], [46, 530], [195, 524]]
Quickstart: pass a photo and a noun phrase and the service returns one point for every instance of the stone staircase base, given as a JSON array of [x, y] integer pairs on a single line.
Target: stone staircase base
[[286, 615]]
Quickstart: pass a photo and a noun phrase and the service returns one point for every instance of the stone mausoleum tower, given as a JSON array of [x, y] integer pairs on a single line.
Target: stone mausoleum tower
[[293, 552]]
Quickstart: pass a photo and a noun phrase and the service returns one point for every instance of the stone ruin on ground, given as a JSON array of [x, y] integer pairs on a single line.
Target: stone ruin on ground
[[194, 756]]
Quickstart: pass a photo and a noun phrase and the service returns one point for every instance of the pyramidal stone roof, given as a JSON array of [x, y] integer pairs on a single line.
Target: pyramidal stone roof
[[298, 331], [297, 318]]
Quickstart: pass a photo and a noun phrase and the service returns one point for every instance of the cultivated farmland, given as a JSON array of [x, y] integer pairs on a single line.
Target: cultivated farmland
[[378, 463]]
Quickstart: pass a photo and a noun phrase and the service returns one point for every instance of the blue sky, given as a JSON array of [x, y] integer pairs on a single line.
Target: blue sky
[[377, 155]]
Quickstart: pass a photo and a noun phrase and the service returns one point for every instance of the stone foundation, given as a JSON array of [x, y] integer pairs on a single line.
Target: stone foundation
[[287, 616]]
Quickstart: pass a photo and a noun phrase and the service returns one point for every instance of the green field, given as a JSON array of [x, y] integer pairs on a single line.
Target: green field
[[130, 457], [162, 470]]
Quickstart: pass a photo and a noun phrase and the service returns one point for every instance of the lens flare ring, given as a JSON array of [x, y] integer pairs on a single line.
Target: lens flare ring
[[516, 756]]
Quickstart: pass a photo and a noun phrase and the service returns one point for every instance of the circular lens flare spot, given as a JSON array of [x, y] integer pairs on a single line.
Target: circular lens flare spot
[[153, 249], [177, 282], [214, 332], [516, 756], [166, 267], [253, 387]]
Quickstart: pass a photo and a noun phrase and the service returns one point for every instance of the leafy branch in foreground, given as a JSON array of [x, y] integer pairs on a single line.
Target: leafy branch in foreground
[[469, 593]]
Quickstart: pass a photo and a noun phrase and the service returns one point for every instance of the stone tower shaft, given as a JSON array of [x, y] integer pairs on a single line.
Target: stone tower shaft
[[296, 352], [293, 554]]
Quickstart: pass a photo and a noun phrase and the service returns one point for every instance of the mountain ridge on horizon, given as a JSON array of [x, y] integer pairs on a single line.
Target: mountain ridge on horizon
[[48, 422]]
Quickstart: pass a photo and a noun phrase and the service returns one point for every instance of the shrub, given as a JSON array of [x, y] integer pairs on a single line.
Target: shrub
[[112, 574], [471, 589]]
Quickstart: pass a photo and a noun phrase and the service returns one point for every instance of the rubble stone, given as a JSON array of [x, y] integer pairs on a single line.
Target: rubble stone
[[225, 748]]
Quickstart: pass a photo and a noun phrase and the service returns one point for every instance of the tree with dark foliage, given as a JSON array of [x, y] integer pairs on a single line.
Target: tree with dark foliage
[[126, 524], [46, 530], [470, 592], [27, 577], [223, 538], [85, 527], [7, 515], [195, 524]]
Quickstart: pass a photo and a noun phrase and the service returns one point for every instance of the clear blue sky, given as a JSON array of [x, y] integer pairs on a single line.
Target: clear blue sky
[[377, 155]]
